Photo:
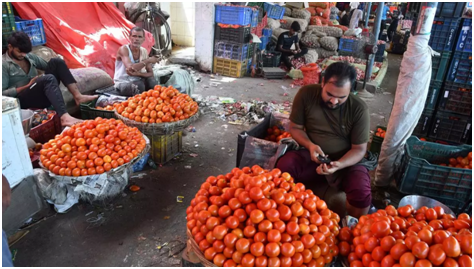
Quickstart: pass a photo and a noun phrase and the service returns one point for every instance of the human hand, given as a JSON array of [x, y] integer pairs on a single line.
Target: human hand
[[328, 169], [32, 81], [315, 151], [298, 51], [294, 52]]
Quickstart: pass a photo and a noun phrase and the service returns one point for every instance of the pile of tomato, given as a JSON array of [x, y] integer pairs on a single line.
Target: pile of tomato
[[407, 237], [380, 133], [256, 217], [92, 147], [162, 104], [460, 162], [275, 134]]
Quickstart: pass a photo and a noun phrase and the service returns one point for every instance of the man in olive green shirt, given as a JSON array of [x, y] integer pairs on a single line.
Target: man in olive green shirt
[[20, 79], [327, 120]]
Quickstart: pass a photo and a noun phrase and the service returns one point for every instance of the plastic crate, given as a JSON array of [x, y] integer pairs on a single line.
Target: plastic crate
[[433, 93], [88, 111], [7, 9], [8, 26], [451, 128], [376, 143], [443, 33], [251, 50], [460, 70], [420, 174], [274, 11], [165, 147], [348, 46], [258, 31], [231, 51], [46, 131], [254, 21], [265, 40], [440, 66], [424, 123], [271, 59], [465, 37], [230, 68], [456, 98], [238, 35], [267, 32], [233, 15], [450, 10], [34, 29]]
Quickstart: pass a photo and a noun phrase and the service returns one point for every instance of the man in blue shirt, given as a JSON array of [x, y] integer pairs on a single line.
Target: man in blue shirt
[[383, 23], [286, 41]]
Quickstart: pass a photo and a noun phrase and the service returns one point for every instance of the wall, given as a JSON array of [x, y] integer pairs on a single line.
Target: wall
[[204, 35], [183, 23]]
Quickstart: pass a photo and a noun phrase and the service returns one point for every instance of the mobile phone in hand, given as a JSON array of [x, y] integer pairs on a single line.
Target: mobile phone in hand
[[324, 159]]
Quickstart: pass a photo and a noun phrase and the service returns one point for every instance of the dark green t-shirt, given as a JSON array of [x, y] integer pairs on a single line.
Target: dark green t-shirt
[[349, 126]]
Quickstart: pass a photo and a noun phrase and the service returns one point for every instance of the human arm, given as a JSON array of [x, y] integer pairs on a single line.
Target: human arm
[[129, 66], [39, 62], [137, 73], [297, 45], [12, 91]]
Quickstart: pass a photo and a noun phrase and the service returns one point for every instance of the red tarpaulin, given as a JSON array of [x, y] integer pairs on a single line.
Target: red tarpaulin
[[85, 34]]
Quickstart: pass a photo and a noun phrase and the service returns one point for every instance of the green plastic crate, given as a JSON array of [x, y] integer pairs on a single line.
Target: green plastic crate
[[88, 111], [8, 26], [419, 173], [376, 143]]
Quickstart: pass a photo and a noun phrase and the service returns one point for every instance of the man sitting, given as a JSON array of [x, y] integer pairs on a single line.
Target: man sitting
[[328, 119], [133, 67], [20, 79], [286, 41]]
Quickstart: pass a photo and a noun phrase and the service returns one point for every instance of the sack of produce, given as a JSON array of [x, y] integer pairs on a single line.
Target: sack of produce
[[288, 11], [334, 12], [311, 56], [319, 4], [342, 27], [329, 43], [311, 10], [301, 14], [273, 24], [324, 53], [316, 32], [233, 216], [310, 40], [329, 30], [315, 20], [353, 32], [323, 12], [287, 21]]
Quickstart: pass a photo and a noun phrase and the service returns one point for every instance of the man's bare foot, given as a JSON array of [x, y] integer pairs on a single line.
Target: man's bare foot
[[84, 98], [67, 120]]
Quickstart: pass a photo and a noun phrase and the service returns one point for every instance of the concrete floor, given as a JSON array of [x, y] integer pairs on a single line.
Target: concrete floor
[[130, 230]]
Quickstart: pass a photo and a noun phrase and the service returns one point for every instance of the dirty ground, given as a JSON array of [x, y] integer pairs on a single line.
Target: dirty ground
[[147, 228]]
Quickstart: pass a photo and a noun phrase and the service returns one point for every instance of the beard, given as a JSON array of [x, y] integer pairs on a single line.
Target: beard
[[12, 54], [329, 105]]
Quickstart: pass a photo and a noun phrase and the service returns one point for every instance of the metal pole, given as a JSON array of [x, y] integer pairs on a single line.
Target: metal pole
[[367, 17], [378, 19], [425, 19]]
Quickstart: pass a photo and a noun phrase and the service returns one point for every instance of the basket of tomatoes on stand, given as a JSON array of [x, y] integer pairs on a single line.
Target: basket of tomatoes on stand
[[96, 156], [408, 237], [255, 217], [161, 114]]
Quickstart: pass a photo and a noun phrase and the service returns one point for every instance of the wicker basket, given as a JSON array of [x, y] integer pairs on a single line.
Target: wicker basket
[[159, 128], [192, 247]]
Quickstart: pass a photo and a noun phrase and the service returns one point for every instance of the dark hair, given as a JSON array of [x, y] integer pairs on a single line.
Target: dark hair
[[21, 41], [343, 72], [137, 29], [295, 26]]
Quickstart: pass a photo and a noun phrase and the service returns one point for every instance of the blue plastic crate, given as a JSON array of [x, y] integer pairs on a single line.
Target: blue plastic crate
[[465, 37], [254, 22], [421, 173], [460, 70], [267, 32], [264, 43], [231, 51], [348, 45], [238, 15], [274, 11], [443, 33], [34, 29]]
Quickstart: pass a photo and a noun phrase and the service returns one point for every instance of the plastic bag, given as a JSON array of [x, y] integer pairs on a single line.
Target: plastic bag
[[295, 73], [261, 152], [353, 32], [109, 99]]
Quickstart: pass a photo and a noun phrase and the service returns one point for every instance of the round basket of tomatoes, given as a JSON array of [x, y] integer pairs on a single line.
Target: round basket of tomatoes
[[93, 147], [407, 237], [162, 110], [255, 217]]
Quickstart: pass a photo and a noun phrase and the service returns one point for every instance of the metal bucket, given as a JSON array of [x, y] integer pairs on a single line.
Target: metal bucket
[[418, 201], [26, 118]]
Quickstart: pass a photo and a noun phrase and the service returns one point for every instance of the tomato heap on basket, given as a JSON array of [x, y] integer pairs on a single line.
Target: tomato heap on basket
[[92, 147], [253, 217], [162, 104], [380, 133], [460, 162], [406, 237], [275, 134]]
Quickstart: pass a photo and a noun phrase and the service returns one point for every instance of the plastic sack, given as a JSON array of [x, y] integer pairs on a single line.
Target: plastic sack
[[325, 13], [329, 30], [353, 32], [287, 21], [319, 4], [301, 14], [310, 40], [273, 24], [323, 53], [342, 27], [287, 11], [311, 57], [311, 10], [329, 42], [315, 20]]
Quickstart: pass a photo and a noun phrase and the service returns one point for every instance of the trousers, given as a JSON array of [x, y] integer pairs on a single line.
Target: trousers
[[285, 57], [355, 179], [45, 90]]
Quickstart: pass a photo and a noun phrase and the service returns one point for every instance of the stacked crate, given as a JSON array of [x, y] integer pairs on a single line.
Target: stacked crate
[[233, 47], [8, 23], [448, 108]]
